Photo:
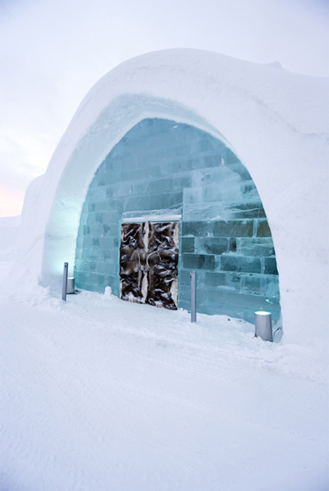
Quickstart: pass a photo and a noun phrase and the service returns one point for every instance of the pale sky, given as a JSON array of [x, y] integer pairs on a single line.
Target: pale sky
[[53, 51]]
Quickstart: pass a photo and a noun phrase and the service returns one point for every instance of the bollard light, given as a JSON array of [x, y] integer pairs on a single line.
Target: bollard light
[[193, 296], [64, 284], [70, 285], [263, 325]]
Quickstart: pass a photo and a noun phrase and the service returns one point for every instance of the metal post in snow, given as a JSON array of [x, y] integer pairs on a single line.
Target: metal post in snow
[[193, 297], [64, 286], [263, 325]]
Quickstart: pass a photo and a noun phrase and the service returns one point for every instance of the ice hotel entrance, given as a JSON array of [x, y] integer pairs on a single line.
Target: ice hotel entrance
[[170, 198]]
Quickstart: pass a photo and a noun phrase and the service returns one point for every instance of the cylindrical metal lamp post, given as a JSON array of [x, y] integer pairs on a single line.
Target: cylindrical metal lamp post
[[193, 296], [64, 285], [70, 285], [263, 325]]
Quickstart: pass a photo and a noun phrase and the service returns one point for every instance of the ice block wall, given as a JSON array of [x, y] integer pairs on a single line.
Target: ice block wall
[[162, 168]]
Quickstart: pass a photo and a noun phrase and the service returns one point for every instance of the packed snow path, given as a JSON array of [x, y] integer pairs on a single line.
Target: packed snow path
[[103, 395]]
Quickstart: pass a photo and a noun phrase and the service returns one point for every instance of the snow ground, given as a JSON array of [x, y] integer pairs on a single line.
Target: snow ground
[[100, 394]]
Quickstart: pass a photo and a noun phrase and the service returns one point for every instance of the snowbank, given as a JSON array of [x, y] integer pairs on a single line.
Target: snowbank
[[275, 121], [9, 227]]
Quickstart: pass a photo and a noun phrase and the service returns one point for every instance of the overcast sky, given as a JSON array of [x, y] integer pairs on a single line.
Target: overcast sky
[[53, 51]]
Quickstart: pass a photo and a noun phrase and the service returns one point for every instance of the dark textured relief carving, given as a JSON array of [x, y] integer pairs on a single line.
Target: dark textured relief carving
[[149, 263]]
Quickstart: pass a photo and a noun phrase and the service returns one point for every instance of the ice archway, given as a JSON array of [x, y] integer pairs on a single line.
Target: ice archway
[[163, 174], [110, 127]]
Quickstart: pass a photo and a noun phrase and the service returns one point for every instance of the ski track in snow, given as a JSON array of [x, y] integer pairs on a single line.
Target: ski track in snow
[[101, 394]]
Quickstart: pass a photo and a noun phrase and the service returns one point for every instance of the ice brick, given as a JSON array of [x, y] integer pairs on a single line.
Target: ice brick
[[196, 229], [233, 228], [263, 229], [240, 264], [211, 245], [199, 261]]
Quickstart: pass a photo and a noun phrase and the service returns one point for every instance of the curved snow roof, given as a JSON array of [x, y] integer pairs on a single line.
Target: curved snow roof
[[275, 121]]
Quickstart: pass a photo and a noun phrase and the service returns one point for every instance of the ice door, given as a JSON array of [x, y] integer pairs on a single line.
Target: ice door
[[149, 263], [132, 256], [162, 264]]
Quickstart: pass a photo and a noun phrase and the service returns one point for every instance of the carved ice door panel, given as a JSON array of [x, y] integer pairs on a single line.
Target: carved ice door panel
[[149, 263], [131, 273], [162, 264]]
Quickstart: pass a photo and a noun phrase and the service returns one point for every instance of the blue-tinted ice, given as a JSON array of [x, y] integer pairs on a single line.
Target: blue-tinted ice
[[164, 169]]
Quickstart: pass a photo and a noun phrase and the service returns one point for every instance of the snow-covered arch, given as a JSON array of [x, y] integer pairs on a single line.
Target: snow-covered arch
[[114, 121], [271, 118]]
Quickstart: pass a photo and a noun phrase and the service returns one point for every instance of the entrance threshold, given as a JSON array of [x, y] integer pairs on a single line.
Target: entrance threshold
[[151, 218]]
